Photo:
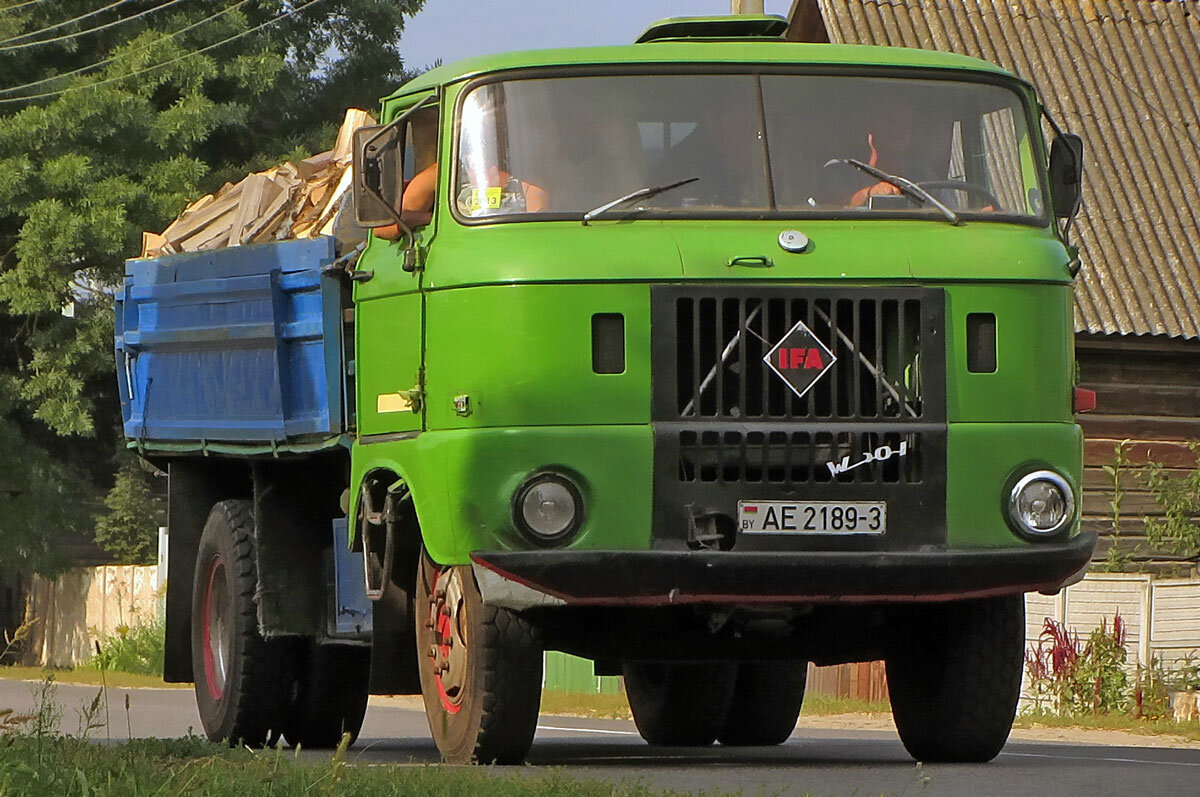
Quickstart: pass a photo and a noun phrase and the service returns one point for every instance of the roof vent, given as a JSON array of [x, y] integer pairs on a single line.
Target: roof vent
[[734, 26]]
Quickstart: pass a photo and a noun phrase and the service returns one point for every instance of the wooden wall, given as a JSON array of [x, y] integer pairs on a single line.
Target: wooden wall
[[1148, 392]]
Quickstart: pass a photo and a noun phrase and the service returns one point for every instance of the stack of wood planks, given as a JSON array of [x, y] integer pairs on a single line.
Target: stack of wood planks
[[292, 200]]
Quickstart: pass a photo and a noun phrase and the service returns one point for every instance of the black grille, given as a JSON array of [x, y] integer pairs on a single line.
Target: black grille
[[772, 456], [711, 343]]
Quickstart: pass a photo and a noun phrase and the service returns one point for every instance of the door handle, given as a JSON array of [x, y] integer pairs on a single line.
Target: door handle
[[756, 261]]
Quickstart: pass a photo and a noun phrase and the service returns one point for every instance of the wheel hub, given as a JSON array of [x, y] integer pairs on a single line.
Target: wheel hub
[[216, 624], [447, 619]]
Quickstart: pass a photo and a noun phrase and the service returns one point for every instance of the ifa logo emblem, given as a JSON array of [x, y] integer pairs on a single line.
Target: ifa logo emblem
[[800, 359]]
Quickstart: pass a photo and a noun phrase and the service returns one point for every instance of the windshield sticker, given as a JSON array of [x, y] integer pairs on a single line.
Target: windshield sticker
[[488, 197], [800, 359]]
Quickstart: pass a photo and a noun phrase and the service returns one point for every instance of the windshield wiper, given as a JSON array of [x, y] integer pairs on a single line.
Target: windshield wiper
[[641, 193], [907, 186]]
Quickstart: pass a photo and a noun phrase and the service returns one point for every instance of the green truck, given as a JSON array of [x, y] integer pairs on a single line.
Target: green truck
[[702, 358]]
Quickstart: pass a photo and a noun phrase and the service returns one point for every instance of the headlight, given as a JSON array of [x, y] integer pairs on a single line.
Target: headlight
[[1041, 504], [548, 508]]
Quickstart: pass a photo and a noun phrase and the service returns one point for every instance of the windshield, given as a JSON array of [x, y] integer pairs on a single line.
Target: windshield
[[776, 143]]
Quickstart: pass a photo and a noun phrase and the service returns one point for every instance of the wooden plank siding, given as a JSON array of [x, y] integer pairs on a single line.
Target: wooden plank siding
[[864, 680], [1148, 392]]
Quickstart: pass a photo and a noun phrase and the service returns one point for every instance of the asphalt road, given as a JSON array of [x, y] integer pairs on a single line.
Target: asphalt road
[[818, 760]]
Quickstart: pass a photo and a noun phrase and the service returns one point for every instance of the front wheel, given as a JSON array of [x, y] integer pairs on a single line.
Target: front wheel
[[954, 676], [242, 684], [766, 703], [679, 704], [480, 668]]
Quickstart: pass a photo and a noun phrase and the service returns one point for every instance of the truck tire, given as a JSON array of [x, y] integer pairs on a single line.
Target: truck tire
[[480, 669], [242, 688], [331, 696], [766, 703], [954, 678], [679, 704]]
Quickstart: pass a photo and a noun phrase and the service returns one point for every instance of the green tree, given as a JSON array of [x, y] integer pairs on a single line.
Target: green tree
[[128, 526], [138, 119]]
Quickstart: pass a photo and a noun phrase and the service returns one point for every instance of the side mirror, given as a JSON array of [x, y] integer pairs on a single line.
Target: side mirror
[[378, 174], [1066, 174]]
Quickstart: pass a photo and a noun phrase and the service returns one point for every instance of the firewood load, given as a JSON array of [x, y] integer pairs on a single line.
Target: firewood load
[[291, 200]]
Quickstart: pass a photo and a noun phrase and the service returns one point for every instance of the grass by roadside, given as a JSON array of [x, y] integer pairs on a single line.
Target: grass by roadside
[[1113, 722], [617, 707], [570, 704], [91, 677], [68, 766], [823, 705]]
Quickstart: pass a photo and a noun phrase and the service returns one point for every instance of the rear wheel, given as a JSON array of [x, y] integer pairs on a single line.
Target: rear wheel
[[480, 668], [242, 688], [955, 677], [766, 703], [679, 704], [331, 695]]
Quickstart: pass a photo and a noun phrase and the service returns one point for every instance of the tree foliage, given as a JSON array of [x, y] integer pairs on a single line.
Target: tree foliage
[[1178, 532], [128, 526], [120, 148]]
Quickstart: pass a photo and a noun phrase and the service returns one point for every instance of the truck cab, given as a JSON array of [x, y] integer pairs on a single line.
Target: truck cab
[[703, 358]]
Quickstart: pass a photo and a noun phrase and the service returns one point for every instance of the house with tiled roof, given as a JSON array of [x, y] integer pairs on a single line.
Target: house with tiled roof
[[1125, 74]]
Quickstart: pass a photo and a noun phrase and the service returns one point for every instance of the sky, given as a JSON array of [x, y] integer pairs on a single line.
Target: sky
[[454, 29]]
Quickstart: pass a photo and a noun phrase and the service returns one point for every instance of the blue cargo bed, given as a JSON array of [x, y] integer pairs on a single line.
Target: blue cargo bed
[[237, 349]]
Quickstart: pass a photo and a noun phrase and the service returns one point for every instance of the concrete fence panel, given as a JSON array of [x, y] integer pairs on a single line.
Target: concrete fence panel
[[84, 605]]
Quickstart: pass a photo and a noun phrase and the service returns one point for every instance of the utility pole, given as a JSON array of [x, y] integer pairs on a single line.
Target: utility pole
[[745, 6]]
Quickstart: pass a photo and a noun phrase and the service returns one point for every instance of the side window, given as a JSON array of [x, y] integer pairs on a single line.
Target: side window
[[420, 143], [1002, 157], [420, 170]]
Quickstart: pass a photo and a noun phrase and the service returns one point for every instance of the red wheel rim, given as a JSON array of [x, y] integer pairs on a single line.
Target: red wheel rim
[[213, 632], [444, 632]]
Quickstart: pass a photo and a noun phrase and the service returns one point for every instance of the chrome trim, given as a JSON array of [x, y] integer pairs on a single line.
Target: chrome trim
[[523, 526], [1058, 481]]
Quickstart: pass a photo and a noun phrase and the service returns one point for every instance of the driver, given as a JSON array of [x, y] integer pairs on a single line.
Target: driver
[[890, 140], [484, 187]]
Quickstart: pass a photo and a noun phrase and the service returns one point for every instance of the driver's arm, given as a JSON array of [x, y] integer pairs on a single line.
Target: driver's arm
[[882, 188], [416, 206]]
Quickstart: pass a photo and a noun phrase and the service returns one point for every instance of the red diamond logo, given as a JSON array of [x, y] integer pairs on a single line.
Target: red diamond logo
[[800, 359]]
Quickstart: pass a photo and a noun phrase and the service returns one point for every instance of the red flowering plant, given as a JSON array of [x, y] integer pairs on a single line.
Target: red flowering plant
[[1078, 677]]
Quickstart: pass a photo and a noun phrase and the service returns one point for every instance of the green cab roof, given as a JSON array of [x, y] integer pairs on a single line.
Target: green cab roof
[[688, 47]]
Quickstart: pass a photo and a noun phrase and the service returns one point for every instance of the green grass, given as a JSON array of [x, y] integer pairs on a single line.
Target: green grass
[[570, 704], [617, 707], [90, 677], [823, 705], [1113, 722], [192, 766]]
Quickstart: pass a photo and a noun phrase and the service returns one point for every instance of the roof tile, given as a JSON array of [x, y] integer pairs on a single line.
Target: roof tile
[[1125, 74]]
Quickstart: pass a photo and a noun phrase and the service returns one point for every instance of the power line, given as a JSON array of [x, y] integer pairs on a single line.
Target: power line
[[22, 5], [273, 20], [49, 28], [111, 59], [105, 26]]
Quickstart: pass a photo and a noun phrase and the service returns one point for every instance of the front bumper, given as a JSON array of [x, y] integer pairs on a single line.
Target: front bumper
[[528, 579]]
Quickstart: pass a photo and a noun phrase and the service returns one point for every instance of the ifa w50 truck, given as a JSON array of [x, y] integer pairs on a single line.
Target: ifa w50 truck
[[703, 358]]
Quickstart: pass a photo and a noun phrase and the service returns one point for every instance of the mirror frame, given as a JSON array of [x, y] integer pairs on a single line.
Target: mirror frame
[[1066, 174], [378, 174], [379, 151]]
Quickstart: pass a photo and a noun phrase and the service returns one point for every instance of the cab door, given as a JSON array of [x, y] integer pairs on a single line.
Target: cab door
[[389, 305]]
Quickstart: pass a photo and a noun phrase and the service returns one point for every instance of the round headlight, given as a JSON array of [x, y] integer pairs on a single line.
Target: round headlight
[[1041, 504], [548, 507]]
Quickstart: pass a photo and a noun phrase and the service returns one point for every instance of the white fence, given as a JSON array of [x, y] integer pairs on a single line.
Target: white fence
[[85, 604], [1162, 615]]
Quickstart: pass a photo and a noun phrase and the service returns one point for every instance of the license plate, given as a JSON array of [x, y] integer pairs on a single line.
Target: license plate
[[816, 517]]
